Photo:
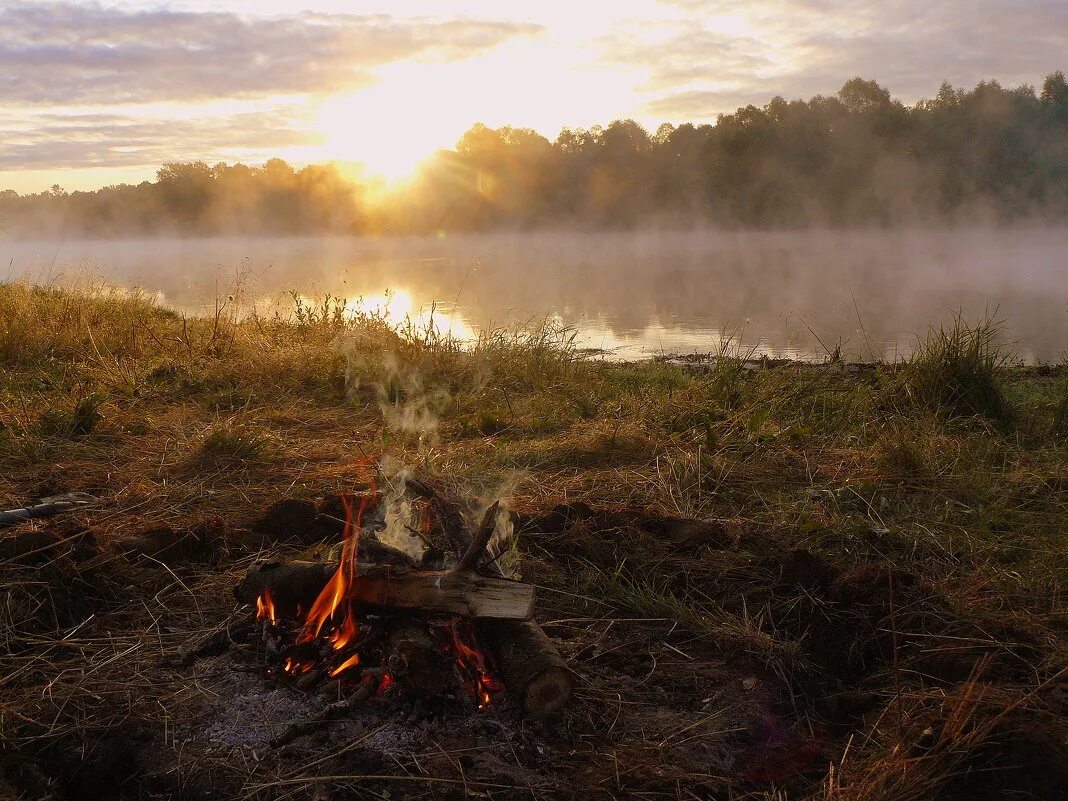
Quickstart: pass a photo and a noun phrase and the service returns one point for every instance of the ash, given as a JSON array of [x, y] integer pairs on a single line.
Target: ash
[[246, 710]]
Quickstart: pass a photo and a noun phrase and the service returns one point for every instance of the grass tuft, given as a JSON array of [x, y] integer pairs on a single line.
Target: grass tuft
[[233, 445], [958, 371], [69, 422]]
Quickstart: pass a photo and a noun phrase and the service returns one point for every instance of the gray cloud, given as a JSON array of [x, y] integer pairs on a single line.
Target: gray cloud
[[113, 140], [910, 46], [694, 55], [59, 53]]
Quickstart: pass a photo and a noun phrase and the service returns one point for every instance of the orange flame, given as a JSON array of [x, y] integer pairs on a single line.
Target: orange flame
[[338, 589], [265, 606], [295, 666], [469, 656], [352, 661]]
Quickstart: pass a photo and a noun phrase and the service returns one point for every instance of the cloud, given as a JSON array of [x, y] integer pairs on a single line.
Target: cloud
[[690, 56], [60, 53], [805, 47], [115, 140]]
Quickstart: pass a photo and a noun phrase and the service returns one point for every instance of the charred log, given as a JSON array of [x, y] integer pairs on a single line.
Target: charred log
[[529, 665], [414, 661]]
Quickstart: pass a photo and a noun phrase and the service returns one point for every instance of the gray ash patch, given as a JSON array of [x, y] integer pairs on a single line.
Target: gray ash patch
[[246, 709]]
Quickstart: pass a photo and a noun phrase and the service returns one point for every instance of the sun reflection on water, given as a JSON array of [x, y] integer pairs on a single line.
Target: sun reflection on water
[[397, 308]]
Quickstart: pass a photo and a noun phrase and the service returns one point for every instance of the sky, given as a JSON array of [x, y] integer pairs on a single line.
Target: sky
[[96, 93]]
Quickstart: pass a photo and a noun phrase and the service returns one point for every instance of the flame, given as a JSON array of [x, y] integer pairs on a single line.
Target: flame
[[352, 661], [338, 589], [295, 666], [470, 658], [265, 607]]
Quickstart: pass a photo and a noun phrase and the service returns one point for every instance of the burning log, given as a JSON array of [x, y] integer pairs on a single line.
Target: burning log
[[531, 668], [436, 592]]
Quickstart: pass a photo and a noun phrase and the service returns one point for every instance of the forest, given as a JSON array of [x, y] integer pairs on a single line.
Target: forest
[[860, 158]]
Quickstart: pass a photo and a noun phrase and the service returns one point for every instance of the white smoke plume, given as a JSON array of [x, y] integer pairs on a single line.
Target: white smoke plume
[[400, 520], [503, 544]]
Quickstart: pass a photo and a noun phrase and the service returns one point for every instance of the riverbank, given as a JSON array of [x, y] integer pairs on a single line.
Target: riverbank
[[860, 565]]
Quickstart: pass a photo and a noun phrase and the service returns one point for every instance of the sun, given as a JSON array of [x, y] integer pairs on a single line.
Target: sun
[[390, 128]]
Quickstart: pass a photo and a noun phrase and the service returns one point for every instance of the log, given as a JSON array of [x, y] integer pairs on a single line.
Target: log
[[434, 592], [529, 665], [414, 661]]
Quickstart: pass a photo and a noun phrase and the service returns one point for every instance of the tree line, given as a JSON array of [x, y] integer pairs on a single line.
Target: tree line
[[858, 158]]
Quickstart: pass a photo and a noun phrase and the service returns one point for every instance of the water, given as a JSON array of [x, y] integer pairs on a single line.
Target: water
[[632, 295]]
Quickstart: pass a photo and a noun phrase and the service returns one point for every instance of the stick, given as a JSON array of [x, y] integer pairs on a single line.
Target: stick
[[48, 507], [477, 549]]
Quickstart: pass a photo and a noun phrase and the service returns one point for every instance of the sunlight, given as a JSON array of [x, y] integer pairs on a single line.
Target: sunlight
[[389, 139], [399, 310]]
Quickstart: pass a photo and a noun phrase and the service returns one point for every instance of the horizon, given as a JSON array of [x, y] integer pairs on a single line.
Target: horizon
[[104, 93]]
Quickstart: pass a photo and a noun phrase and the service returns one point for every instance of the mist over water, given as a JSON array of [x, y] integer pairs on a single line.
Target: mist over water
[[634, 295]]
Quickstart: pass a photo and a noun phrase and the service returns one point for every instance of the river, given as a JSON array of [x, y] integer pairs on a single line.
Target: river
[[628, 295]]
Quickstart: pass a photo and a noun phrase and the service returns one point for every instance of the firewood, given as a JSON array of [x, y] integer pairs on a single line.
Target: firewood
[[529, 665], [414, 661], [433, 592], [477, 549]]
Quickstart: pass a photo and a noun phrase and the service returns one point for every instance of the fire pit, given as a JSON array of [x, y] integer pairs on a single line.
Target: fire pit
[[438, 629]]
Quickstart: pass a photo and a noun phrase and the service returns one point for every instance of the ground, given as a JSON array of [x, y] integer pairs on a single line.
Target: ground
[[772, 580]]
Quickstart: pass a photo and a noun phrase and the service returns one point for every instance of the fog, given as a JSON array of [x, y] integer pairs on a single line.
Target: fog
[[634, 295]]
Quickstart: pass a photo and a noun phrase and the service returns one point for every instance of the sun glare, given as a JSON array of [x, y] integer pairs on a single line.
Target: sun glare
[[398, 309], [390, 140]]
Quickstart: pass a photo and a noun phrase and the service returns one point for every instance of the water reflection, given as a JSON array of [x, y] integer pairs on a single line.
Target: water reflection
[[634, 295]]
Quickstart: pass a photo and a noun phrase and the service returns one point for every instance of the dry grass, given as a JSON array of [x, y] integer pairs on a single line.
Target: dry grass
[[961, 490]]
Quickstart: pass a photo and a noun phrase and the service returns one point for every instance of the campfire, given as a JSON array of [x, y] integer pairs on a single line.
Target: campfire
[[434, 628]]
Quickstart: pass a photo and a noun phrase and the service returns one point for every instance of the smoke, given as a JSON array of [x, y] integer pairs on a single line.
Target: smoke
[[503, 544], [408, 406], [400, 519]]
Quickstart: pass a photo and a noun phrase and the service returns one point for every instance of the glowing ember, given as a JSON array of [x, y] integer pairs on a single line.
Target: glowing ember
[[295, 666], [384, 687]]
